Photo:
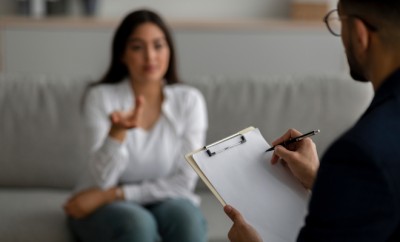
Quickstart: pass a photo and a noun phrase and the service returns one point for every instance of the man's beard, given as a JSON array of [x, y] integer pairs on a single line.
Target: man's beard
[[355, 69]]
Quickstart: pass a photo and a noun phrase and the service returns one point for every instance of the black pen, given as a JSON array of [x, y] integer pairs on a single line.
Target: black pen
[[295, 139]]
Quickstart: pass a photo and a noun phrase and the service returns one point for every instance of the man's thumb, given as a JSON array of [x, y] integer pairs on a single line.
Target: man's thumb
[[233, 214]]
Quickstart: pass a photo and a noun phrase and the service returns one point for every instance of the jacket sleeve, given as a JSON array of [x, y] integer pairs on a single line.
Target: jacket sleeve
[[352, 199], [181, 182]]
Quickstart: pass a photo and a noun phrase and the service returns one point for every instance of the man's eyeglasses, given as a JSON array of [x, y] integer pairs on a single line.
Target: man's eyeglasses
[[333, 22]]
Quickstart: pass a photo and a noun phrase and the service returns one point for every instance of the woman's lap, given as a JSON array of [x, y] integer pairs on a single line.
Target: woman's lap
[[173, 219], [179, 220]]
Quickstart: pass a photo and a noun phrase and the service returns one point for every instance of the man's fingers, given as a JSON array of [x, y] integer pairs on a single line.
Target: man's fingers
[[283, 153], [274, 159], [283, 138], [289, 134], [233, 214]]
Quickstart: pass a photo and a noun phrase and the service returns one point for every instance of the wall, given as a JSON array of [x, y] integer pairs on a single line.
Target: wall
[[225, 50], [7, 7], [180, 9], [185, 9], [207, 9], [228, 49]]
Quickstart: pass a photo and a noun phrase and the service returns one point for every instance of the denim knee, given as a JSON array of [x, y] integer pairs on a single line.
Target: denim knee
[[119, 222], [180, 220]]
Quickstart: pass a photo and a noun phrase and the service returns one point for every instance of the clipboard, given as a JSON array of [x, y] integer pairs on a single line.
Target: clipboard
[[237, 171]]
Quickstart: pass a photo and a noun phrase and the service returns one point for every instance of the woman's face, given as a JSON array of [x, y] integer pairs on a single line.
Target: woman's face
[[147, 54]]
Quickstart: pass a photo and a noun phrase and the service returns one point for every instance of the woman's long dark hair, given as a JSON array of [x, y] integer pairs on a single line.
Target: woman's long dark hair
[[117, 70]]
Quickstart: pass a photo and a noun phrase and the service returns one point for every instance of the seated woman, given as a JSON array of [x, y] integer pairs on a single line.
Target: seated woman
[[137, 186]]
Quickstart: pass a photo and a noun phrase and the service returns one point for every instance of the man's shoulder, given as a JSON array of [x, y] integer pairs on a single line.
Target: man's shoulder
[[374, 138]]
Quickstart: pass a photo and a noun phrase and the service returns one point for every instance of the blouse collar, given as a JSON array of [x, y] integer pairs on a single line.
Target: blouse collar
[[390, 87]]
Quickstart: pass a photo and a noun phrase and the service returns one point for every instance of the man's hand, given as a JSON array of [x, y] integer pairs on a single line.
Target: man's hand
[[86, 202], [240, 231], [300, 157]]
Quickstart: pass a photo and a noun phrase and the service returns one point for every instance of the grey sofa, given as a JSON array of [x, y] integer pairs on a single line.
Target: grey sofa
[[42, 141]]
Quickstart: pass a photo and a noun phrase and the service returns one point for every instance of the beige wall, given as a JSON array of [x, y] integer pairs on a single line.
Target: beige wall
[[6, 7], [232, 49], [209, 9], [181, 9]]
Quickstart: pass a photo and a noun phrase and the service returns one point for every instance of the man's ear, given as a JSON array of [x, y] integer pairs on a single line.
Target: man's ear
[[362, 34]]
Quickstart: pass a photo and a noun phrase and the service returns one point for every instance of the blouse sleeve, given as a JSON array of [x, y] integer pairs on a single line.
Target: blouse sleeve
[[182, 181], [108, 157]]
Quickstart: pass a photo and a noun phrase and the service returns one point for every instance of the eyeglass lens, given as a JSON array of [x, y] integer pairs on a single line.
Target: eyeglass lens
[[334, 23]]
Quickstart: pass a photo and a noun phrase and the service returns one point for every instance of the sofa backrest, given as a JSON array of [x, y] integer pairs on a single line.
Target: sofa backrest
[[331, 103], [42, 138], [41, 132]]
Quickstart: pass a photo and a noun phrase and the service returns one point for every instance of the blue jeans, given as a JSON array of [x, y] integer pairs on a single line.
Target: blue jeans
[[173, 220]]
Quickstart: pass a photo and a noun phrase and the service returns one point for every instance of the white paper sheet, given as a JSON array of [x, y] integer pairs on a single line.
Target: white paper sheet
[[268, 196]]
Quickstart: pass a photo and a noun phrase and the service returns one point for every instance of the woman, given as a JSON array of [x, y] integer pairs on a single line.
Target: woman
[[137, 186]]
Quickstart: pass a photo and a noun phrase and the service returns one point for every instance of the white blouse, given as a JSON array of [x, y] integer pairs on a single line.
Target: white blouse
[[150, 165]]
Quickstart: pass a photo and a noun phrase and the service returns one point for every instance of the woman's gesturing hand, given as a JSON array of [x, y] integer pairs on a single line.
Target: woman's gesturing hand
[[124, 120]]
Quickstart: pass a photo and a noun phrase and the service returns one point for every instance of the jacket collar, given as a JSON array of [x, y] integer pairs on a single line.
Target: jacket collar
[[390, 87]]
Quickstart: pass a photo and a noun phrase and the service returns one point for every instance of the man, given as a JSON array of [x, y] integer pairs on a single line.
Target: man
[[356, 193]]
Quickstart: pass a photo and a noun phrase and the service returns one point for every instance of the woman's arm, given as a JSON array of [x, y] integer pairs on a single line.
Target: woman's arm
[[108, 154], [87, 201]]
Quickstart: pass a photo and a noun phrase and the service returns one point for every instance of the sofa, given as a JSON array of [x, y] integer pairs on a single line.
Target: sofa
[[43, 149]]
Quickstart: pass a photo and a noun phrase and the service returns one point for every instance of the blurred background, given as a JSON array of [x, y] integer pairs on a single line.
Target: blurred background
[[175, 8], [213, 37]]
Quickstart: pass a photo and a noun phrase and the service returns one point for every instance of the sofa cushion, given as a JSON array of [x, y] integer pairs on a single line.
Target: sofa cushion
[[41, 131], [33, 215]]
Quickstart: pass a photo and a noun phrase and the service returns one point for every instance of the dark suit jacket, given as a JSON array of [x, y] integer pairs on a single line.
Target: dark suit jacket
[[356, 196]]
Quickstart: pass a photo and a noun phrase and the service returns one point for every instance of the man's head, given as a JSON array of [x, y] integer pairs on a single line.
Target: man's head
[[369, 28]]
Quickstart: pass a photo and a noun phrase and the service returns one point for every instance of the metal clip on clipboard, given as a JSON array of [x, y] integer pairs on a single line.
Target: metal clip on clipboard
[[214, 148]]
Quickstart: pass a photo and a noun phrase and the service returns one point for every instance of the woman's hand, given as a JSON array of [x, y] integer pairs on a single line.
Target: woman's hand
[[300, 157], [240, 231], [124, 120], [86, 202]]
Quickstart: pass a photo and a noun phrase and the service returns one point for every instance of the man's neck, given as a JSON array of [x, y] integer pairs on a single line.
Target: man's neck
[[382, 67]]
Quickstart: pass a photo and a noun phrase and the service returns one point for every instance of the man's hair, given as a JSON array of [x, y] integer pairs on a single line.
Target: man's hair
[[382, 14]]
